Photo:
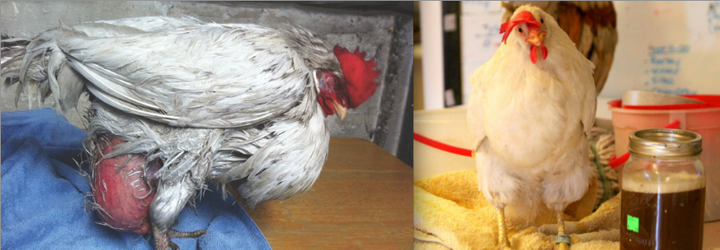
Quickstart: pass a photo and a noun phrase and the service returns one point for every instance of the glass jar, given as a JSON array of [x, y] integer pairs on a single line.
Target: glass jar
[[663, 191]]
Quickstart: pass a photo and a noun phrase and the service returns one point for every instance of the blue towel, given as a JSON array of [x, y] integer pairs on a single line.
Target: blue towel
[[43, 196]]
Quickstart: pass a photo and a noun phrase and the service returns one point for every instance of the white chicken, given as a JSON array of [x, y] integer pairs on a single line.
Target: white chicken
[[531, 108]]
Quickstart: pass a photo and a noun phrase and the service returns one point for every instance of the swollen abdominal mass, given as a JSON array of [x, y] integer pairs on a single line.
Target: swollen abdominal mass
[[122, 189]]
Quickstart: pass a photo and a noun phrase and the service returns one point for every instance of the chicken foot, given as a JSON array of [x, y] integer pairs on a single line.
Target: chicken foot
[[562, 240], [165, 208], [163, 237]]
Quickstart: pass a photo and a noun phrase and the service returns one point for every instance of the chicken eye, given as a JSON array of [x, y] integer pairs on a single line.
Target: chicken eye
[[542, 21], [520, 30]]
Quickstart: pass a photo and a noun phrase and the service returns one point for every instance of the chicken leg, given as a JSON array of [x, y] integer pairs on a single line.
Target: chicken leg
[[165, 208], [503, 241], [162, 237], [562, 240]]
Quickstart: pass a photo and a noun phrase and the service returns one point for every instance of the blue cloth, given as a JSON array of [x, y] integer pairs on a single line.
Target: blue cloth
[[43, 196]]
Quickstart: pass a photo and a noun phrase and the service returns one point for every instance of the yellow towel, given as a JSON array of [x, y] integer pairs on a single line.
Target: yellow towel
[[451, 213]]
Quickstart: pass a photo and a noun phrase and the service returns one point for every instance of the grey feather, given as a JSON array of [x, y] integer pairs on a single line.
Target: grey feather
[[234, 103]]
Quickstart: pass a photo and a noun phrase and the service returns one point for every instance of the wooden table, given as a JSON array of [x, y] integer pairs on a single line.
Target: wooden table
[[711, 241], [362, 200]]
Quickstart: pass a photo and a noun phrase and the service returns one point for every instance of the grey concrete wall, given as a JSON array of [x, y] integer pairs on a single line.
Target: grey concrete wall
[[384, 35]]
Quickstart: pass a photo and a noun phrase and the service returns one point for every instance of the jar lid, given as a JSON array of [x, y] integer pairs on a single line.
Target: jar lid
[[665, 143]]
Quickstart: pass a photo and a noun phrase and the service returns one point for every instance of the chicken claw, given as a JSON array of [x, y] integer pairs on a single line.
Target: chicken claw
[[163, 237]]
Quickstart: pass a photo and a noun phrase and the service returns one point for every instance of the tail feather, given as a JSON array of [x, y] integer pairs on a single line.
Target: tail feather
[[42, 70], [11, 55]]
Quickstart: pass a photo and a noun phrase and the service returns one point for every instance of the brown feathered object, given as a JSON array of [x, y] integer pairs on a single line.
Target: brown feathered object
[[591, 26]]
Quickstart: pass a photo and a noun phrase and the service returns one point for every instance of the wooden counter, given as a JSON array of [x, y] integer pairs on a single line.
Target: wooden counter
[[711, 235], [362, 200]]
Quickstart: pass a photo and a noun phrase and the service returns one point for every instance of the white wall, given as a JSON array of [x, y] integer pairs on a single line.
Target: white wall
[[669, 47]]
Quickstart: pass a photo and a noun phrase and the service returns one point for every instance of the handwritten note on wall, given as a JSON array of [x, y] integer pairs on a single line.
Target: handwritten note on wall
[[667, 47], [480, 37], [676, 44], [713, 15], [664, 64]]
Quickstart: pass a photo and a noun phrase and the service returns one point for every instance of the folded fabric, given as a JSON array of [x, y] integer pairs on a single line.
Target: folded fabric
[[451, 213], [44, 196]]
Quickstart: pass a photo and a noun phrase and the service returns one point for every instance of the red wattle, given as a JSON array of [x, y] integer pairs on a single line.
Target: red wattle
[[326, 105], [533, 54]]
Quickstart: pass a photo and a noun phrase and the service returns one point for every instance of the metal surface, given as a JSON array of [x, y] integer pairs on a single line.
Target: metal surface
[[383, 31], [665, 143]]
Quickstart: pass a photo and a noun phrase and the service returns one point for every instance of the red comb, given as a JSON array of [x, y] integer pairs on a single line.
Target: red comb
[[522, 17], [359, 74]]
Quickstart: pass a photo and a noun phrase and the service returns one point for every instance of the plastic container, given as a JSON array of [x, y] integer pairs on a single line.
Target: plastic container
[[704, 120], [663, 191], [448, 126]]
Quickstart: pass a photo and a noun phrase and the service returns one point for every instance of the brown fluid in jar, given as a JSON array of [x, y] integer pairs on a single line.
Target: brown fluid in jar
[[669, 219]]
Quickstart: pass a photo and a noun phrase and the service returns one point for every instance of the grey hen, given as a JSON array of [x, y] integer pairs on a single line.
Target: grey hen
[[176, 102]]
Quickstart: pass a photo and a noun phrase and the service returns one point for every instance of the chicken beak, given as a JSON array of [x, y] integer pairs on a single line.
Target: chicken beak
[[536, 37], [339, 110]]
